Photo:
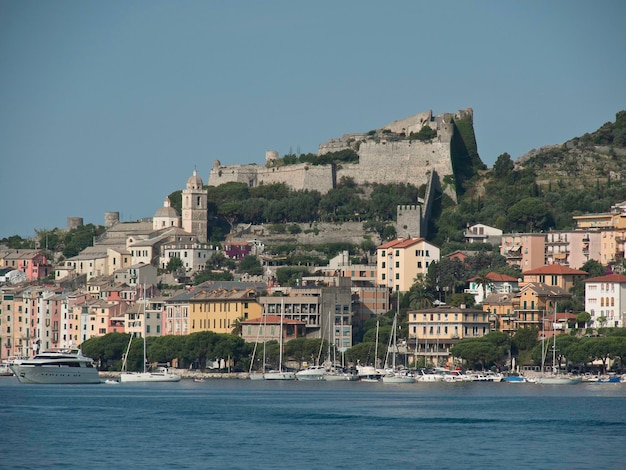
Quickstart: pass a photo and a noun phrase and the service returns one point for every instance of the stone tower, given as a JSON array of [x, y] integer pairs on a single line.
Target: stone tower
[[194, 204], [409, 221]]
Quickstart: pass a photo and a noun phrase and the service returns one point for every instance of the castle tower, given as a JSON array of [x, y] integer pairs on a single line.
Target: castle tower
[[409, 221], [165, 216], [195, 216]]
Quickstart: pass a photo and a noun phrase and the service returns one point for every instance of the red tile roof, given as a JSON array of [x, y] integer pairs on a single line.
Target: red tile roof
[[400, 243], [556, 269], [497, 277], [617, 278]]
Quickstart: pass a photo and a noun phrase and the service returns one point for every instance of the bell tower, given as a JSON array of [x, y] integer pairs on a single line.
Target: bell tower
[[194, 205]]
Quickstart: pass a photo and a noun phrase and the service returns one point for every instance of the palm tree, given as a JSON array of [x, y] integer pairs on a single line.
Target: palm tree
[[419, 295], [483, 281]]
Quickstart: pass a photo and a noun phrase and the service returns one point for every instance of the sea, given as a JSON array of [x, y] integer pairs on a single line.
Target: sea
[[243, 424]]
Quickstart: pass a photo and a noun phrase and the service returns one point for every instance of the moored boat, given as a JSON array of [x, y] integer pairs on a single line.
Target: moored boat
[[311, 373], [57, 366], [279, 375]]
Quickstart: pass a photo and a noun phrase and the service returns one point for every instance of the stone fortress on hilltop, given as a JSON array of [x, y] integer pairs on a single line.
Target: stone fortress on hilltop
[[390, 154]]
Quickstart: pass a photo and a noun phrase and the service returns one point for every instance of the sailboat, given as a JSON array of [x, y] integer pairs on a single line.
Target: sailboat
[[258, 375], [370, 373], [555, 378], [335, 374], [280, 374], [394, 375], [161, 374]]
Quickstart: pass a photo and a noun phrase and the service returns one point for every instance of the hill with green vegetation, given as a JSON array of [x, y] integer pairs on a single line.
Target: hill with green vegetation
[[545, 188]]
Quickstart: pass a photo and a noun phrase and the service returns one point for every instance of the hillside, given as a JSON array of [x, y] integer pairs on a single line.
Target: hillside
[[584, 161]]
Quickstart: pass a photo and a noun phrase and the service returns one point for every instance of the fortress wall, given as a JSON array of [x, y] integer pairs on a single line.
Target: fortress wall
[[398, 162], [299, 177], [411, 124], [221, 174]]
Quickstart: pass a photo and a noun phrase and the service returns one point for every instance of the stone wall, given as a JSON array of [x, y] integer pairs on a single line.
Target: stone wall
[[385, 156]]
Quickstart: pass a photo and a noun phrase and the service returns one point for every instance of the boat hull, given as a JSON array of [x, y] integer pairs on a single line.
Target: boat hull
[[127, 377], [398, 379], [558, 380], [279, 376], [54, 374], [311, 374]]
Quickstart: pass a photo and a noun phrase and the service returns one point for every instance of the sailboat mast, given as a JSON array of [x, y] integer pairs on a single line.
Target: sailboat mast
[[143, 329], [554, 341], [280, 341]]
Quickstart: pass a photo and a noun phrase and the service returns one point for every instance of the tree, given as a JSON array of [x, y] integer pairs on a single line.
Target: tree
[[419, 295], [582, 319], [174, 263], [530, 214], [503, 166], [476, 351], [250, 264]]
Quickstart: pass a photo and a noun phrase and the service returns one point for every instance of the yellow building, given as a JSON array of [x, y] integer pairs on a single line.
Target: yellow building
[[434, 331], [218, 310], [554, 275], [526, 309], [400, 261], [602, 221]]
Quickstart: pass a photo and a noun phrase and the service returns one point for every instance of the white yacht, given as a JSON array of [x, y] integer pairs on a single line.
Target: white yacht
[[57, 366], [312, 373]]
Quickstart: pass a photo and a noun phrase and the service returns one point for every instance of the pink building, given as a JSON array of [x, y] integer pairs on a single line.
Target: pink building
[[237, 250], [33, 263]]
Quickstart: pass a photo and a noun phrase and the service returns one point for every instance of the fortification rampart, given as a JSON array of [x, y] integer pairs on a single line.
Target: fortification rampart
[[398, 162], [302, 176], [385, 156]]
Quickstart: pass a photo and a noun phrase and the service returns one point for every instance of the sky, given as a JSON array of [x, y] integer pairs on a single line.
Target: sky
[[110, 105]]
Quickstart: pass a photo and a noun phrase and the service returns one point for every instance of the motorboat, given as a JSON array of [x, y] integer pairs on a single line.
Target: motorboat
[[428, 375], [56, 366], [5, 370], [368, 373], [337, 375], [398, 377], [514, 379], [311, 373]]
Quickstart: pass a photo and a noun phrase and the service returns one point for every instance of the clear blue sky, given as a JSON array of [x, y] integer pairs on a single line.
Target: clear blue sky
[[109, 105]]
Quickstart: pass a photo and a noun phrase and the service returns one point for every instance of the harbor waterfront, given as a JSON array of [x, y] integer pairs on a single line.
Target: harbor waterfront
[[312, 424]]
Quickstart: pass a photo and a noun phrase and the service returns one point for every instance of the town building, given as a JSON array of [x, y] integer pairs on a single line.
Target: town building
[[221, 310], [524, 250], [481, 233], [491, 283], [325, 310], [400, 261], [554, 275], [605, 300], [524, 309], [434, 331], [268, 328], [33, 263]]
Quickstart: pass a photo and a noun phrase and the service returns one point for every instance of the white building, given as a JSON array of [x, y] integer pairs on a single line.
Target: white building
[[495, 284], [605, 300], [481, 233]]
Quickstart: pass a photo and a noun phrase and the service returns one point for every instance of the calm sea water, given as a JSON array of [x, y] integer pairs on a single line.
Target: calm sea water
[[239, 424]]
